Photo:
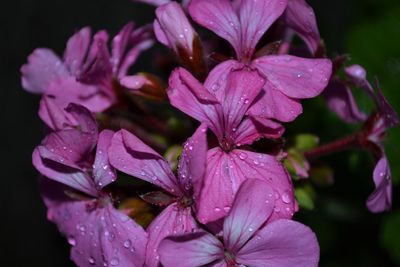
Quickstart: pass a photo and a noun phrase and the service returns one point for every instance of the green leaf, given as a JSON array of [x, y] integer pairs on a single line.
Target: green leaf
[[305, 197], [303, 142]]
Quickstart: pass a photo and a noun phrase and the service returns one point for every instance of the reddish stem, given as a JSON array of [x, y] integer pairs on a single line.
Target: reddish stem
[[345, 143]]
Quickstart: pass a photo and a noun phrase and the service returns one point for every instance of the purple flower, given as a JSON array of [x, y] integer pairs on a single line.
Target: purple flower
[[381, 199], [247, 240], [224, 112], [130, 155], [86, 73], [289, 78], [74, 192]]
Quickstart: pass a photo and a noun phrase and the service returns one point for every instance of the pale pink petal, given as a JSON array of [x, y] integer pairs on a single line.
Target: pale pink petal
[[300, 17], [103, 172], [227, 171], [255, 19], [43, 67], [174, 220], [273, 104], [191, 250], [192, 163], [173, 29], [134, 82], [242, 88], [341, 101], [76, 50], [253, 204], [253, 128], [295, 77], [130, 155], [53, 115], [283, 243], [381, 199], [220, 17], [189, 96]]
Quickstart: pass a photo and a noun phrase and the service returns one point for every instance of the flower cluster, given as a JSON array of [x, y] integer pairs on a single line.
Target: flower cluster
[[226, 201]]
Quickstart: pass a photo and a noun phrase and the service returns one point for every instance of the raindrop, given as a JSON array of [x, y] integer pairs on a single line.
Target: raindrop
[[72, 241], [91, 260], [227, 208], [286, 197], [114, 261], [242, 156], [251, 229], [127, 243], [217, 209]]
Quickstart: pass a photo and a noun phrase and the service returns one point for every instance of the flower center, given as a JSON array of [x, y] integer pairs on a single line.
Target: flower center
[[186, 201], [230, 258], [227, 144]]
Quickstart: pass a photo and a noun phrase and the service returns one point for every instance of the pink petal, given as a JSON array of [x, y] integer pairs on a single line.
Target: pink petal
[[192, 163], [85, 119], [381, 199], [174, 220], [77, 48], [295, 77], [173, 29], [53, 115], [103, 172], [227, 171], [42, 69], [273, 104], [191, 250], [255, 19], [254, 128], [189, 96], [341, 101], [220, 17], [119, 45], [300, 17], [153, 2], [283, 243], [134, 82], [242, 88], [253, 204], [130, 155]]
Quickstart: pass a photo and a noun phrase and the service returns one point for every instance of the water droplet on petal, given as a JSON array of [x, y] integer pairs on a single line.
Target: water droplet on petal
[[91, 260], [286, 197], [114, 261], [127, 243], [72, 241]]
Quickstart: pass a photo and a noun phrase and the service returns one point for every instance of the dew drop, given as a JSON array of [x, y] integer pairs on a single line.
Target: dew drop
[[72, 241], [127, 243], [114, 261], [286, 197], [217, 209], [91, 260]]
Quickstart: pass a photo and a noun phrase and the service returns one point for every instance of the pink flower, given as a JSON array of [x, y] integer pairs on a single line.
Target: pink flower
[[289, 78], [130, 155], [85, 74], [381, 198], [247, 240], [74, 192], [225, 114]]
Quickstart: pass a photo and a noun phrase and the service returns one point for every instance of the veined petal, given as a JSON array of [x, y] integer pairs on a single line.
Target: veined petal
[[43, 68], [192, 163], [381, 199], [283, 243], [255, 19], [103, 172], [272, 104], [253, 204], [220, 17], [300, 17], [119, 45], [76, 50], [189, 96], [130, 155], [191, 250], [174, 220], [295, 77]]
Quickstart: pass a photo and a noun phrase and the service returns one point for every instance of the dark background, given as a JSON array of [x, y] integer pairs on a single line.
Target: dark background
[[368, 30]]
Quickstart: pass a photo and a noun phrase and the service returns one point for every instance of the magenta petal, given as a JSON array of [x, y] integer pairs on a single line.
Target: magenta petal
[[129, 154], [283, 243], [119, 44], [85, 119], [220, 17], [173, 29], [381, 199], [242, 88], [253, 204], [192, 163], [296, 77], [77, 48], [191, 250], [341, 101], [271, 103], [134, 82], [42, 69], [174, 220], [103, 172], [227, 171], [300, 17], [255, 19], [189, 96], [254, 128], [53, 115]]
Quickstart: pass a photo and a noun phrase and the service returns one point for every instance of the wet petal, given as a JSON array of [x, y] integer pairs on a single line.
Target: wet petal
[[253, 204], [381, 199], [77, 48], [174, 220], [53, 115], [43, 68], [283, 243], [191, 250], [103, 172], [130, 155]]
